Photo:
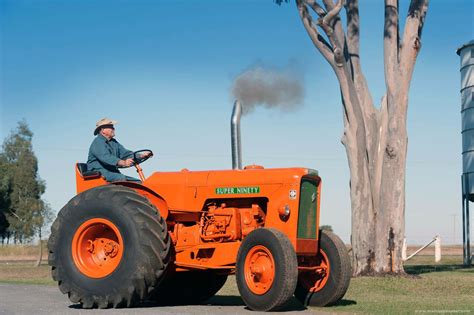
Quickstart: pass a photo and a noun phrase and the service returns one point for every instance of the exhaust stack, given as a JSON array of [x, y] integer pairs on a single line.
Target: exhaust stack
[[235, 136]]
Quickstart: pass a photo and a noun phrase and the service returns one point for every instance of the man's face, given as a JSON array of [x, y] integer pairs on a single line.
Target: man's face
[[108, 131]]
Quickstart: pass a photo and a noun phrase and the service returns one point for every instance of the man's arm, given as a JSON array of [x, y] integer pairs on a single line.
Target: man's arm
[[124, 153]]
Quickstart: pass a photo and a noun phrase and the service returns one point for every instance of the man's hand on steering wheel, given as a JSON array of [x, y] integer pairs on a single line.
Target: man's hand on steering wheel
[[145, 155], [125, 163], [141, 156]]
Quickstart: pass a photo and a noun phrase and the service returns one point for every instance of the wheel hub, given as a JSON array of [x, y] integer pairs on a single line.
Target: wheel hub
[[259, 269], [315, 277], [97, 248]]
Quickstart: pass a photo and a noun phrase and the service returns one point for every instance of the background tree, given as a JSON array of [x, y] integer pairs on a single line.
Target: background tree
[[25, 185], [326, 228], [42, 215], [375, 139], [5, 190]]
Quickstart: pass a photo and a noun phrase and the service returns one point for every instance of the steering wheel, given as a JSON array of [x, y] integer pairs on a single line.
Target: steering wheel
[[138, 156]]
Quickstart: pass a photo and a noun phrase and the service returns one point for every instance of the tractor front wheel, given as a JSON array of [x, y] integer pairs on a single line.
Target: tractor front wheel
[[324, 278], [267, 270], [109, 247]]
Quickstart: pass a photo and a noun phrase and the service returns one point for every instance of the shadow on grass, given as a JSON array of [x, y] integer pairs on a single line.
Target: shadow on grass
[[421, 269], [344, 303]]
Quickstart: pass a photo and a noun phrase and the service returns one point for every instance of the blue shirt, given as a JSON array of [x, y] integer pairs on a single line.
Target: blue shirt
[[104, 155]]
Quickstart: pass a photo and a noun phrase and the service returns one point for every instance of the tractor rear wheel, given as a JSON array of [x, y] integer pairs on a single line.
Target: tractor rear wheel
[[109, 247], [189, 287], [267, 270], [327, 275]]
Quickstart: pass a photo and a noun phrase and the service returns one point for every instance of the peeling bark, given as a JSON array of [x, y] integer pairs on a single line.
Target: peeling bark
[[375, 139]]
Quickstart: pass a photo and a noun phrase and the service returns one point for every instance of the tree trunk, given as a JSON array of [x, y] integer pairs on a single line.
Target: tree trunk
[[40, 252], [375, 139], [378, 224]]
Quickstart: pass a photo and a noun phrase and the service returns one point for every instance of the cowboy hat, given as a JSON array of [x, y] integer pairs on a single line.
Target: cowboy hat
[[103, 122]]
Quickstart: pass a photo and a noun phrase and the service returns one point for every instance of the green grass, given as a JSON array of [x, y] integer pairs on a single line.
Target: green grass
[[444, 287], [25, 273], [441, 288], [435, 291]]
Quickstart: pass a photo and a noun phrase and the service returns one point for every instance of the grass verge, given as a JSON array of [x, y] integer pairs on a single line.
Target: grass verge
[[22, 272], [22, 252], [441, 288]]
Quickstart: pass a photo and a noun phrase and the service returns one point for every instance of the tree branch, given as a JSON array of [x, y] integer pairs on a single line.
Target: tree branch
[[333, 54], [321, 44], [391, 45], [329, 23], [321, 12], [316, 7], [363, 93], [411, 41], [335, 23], [353, 117], [358, 109], [352, 46], [352, 36], [333, 10]]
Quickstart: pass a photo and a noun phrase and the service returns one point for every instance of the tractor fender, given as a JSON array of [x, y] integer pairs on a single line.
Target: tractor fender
[[158, 201]]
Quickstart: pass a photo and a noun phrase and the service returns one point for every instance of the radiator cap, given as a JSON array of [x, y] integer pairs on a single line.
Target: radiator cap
[[253, 167]]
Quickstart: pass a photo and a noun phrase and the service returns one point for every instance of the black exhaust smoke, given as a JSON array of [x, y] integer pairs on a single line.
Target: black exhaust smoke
[[269, 87]]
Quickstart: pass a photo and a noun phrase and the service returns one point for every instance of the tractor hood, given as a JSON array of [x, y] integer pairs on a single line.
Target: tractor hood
[[187, 190]]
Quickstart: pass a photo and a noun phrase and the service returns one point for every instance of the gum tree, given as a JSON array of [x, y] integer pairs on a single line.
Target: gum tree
[[5, 190], [25, 184], [375, 138]]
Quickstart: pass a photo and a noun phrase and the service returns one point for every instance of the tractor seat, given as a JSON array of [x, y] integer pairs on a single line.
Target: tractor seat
[[82, 168]]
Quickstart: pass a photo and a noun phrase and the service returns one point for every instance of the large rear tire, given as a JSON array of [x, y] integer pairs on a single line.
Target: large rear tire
[[327, 284], [109, 247], [267, 270], [189, 287]]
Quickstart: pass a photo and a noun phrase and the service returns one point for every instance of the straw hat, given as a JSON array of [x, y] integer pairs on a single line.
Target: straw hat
[[103, 122]]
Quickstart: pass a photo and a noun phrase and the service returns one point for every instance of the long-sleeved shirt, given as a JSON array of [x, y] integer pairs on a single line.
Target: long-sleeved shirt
[[104, 155]]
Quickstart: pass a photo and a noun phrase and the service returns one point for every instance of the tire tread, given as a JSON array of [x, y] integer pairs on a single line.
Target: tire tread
[[154, 251]]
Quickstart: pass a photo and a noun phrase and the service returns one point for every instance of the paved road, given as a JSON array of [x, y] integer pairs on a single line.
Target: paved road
[[38, 299]]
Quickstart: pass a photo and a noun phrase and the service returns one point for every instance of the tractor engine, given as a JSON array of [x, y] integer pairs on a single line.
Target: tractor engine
[[224, 223]]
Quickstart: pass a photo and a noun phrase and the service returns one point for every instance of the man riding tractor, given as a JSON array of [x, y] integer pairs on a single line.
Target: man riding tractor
[[107, 155]]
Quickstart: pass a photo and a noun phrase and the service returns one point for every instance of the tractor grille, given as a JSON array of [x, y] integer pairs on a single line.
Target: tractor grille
[[307, 209]]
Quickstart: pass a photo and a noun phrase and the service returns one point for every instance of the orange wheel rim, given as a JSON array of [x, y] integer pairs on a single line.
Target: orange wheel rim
[[97, 248], [315, 280], [259, 269]]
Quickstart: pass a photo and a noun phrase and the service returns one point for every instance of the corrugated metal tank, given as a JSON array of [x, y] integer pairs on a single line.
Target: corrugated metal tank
[[466, 52]]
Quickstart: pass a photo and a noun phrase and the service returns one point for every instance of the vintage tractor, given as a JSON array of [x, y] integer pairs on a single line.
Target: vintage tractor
[[175, 237]]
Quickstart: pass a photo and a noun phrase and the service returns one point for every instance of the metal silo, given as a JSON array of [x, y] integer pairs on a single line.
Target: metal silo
[[466, 52]]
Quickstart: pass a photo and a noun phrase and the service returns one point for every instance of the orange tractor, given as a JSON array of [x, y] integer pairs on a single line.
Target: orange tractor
[[175, 238]]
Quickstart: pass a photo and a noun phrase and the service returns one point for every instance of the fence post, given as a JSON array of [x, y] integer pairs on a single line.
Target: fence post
[[438, 249]]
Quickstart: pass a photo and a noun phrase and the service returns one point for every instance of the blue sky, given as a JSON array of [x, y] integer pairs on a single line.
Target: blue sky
[[164, 70]]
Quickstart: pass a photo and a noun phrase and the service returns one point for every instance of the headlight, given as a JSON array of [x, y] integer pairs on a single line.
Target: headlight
[[284, 212]]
